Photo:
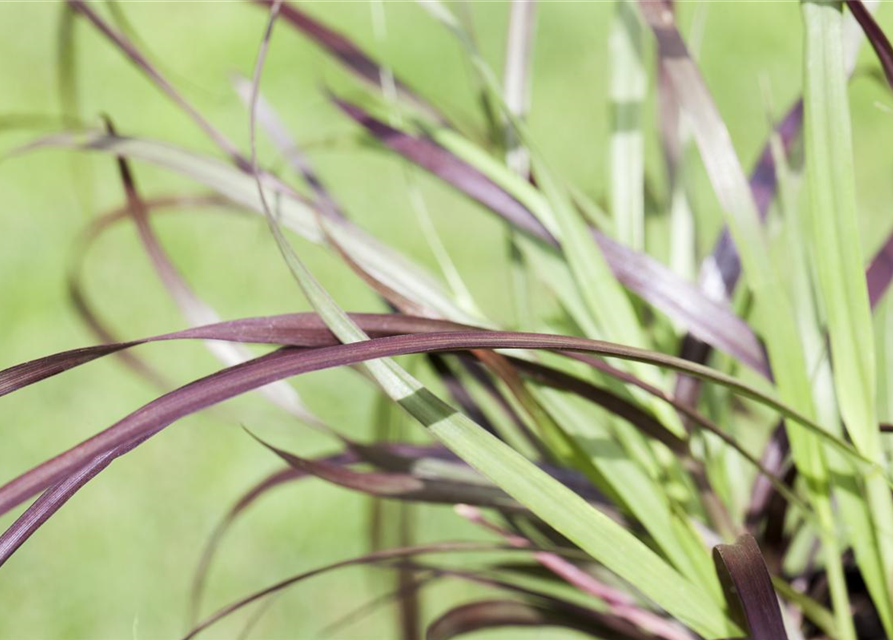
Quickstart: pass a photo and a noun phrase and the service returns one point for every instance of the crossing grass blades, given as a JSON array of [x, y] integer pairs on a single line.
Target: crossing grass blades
[[602, 440]]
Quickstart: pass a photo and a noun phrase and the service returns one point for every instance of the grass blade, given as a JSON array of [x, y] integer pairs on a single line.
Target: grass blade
[[842, 291], [628, 87], [348, 54], [495, 614], [875, 35], [749, 585]]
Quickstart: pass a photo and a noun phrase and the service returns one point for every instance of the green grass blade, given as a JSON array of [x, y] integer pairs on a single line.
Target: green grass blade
[[628, 87], [842, 290], [774, 313]]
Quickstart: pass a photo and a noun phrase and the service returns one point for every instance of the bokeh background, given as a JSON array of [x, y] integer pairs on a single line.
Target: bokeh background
[[116, 562]]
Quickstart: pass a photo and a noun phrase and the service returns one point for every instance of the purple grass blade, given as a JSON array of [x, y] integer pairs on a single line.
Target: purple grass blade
[[289, 362], [400, 486], [272, 481], [78, 296], [749, 588], [879, 274], [411, 588], [632, 413], [377, 557], [618, 603], [303, 329], [655, 283], [348, 54], [396, 456], [497, 614], [130, 50], [195, 310], [875, 35]]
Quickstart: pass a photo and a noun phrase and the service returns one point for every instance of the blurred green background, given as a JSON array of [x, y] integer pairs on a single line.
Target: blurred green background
[[116, 562]]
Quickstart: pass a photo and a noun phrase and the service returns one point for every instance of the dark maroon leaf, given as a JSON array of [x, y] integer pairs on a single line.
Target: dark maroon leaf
[[876, 37], [625, 409], [393, 456], [286, 363], [749, 593], [400, 486], [305, 330], [495, 614]]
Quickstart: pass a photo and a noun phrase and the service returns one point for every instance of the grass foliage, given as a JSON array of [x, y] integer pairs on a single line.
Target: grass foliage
[[646, 455]]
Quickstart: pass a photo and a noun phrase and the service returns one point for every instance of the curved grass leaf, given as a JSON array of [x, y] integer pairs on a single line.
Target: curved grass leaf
[[272, 481], [749, 588], [281, 364], [496, 614], [392, 456], [617, 602], [290, 362], [376, 557], [130, 50], [875, 35], [399, 486], [300, 329], [307, 330]]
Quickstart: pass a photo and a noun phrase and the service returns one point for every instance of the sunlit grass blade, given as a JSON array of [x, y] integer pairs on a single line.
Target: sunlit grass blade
[[783, 342], [517, 77], [721, 270], [628, 86], [838, 263]]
